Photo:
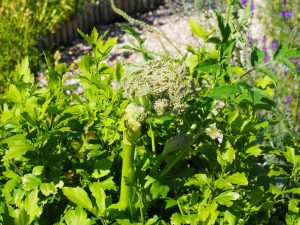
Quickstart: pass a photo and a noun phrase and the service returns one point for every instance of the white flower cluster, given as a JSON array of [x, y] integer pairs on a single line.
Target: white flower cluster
[[165, 83]]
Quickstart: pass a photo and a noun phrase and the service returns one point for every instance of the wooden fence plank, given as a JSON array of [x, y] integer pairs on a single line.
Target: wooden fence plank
[[92, 15]]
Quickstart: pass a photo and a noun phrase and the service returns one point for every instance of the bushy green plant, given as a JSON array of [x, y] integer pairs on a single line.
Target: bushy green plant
[[23, 23], [172, 141]]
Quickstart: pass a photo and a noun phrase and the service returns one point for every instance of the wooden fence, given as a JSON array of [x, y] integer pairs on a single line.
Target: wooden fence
[[92, 15]]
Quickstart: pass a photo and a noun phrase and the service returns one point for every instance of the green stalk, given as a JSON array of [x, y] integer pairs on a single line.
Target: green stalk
[[127, 172], [135, 115]]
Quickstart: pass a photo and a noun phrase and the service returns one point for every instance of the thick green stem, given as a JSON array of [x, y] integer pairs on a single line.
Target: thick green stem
[[127, 172]]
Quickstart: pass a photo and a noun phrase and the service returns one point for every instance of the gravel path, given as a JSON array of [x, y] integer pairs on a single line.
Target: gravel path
[[175, 26]]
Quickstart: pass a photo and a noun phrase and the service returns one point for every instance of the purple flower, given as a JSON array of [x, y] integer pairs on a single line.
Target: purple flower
[[244, 2], [266, 57], [288, 99], [286, 14], [265, 50], [274, 44], [274, 70], [252, 6], [249, 40], [264, 39], [294, 60], [284, 74]]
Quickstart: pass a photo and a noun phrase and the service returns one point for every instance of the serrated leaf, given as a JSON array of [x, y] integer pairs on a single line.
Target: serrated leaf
[[238, 179], [226, 198], [178, 219], [77, 217], [13, 94], [48, 188], [30, 182], [37, 170], [230, 218], [23, 70], [31, 205], [17, 149], [79, 197]]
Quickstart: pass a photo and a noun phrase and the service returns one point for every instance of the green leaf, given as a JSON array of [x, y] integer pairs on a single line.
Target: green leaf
[[246, 15], [238, 70], [294, 190], [48, 188], [129, 30], [79, 197], [77, 217], [197, 29], [225, 91], [268, 73], [23, 70], [157, 189], [293, 205], [31, 205], [257, 56], [229, 48], [178, 219], [213, 40], [223, 184], [254, 150], [226, 198], [170, 203], [224, 27], [17, 148], [30, 182], [99, 194], [85, 64], [261, 97], [108, 184], [289, 64], [208, 65], [238, 178], [230, 218], [290, 155], [284, 52], [13, 94], [37, 170], [9, 187], [177, 143], [10, 174]]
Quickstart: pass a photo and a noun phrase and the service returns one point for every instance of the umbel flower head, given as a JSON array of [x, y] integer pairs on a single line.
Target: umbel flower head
[[164, 83]]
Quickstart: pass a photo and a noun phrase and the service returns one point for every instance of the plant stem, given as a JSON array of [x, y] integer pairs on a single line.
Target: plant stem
[[127, 170], [228, 11]]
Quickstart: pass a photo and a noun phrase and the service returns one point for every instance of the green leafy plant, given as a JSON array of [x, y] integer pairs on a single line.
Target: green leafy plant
[[172, 141]]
